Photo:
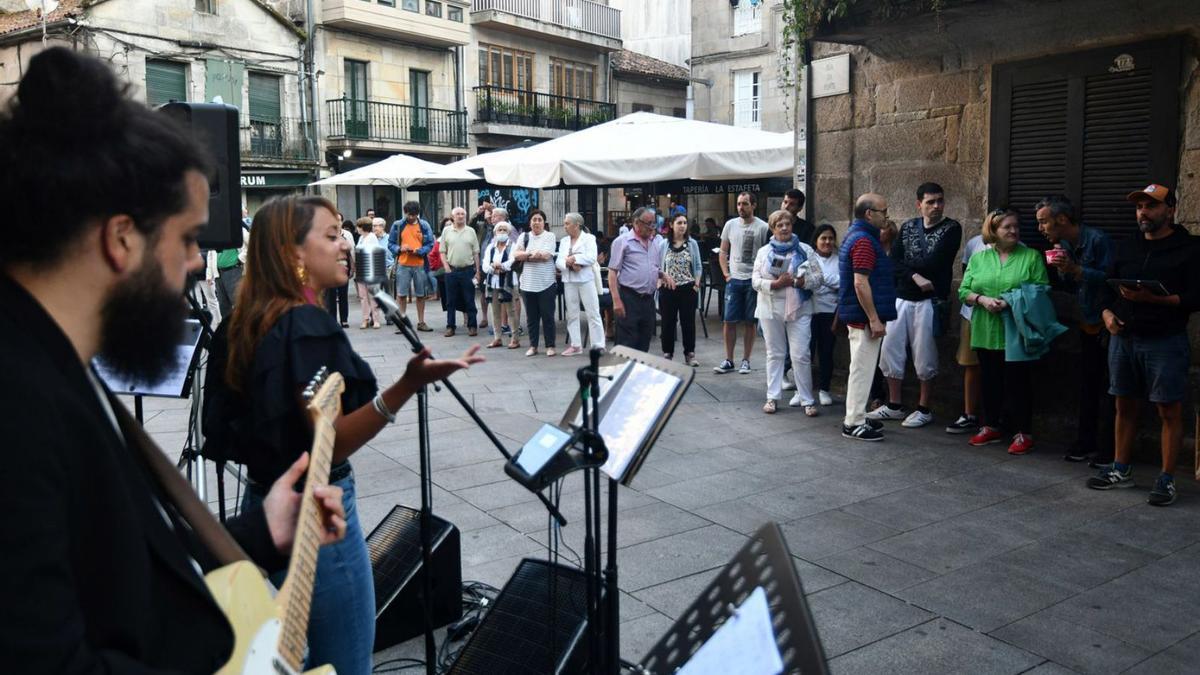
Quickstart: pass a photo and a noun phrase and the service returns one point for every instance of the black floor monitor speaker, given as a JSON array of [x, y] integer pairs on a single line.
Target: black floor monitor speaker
[[536, 625], [215, 127], [394, 547]]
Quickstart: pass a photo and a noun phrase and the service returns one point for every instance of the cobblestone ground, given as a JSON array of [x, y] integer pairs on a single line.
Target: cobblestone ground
[[918, 554]]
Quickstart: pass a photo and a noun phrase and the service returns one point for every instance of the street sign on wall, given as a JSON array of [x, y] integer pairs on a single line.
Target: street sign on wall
[[831, 76]]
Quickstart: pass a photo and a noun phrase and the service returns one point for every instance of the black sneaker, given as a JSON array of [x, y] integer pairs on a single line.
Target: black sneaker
[[1163, 493], [724, 367], [862, 432], [874, 424], [965, 424], [1110, 478]]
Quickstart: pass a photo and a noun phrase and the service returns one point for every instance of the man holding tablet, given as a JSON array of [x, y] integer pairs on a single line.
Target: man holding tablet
[[1147, 314]]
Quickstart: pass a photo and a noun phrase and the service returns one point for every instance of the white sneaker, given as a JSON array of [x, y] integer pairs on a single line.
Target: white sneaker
[[795, 402], [788, 385], [884, 412], [917, 419], [826, 398], [745, 368]]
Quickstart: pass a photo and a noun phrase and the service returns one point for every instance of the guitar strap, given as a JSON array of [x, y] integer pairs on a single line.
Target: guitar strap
[[210, 532]]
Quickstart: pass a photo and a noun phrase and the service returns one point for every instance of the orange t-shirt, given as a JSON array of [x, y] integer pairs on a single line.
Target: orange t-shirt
[[410, 236]]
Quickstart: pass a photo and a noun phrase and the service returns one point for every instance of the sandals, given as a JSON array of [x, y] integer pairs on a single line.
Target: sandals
[[531, 351], [493, 344], [514, 344], [550, 351], [769, 407]]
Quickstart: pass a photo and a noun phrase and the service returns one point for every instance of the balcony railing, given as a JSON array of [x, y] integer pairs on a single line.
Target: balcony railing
[[377, 121], [534, 109], [585, 15], [279, 139]]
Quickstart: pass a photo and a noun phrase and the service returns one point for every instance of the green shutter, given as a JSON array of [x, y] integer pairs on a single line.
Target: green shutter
[[264, 98], [224, 78], [165, 81]]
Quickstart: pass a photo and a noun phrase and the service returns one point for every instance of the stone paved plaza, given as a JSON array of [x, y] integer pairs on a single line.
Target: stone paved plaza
[[919, 554]]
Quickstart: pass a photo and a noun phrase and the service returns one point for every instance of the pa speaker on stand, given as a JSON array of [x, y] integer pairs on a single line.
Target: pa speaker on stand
[[215, 126]]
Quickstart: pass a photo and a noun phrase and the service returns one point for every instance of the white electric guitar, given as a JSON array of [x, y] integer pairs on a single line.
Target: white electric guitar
[[270, 634]]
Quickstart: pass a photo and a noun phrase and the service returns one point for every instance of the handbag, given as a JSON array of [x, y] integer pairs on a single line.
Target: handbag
[[519, 265], [941, 316]]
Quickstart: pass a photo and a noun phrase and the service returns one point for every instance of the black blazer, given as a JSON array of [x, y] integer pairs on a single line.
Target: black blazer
[[92, 577]]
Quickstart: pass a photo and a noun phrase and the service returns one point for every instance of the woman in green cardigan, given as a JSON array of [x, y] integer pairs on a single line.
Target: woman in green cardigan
[[1007, 385]]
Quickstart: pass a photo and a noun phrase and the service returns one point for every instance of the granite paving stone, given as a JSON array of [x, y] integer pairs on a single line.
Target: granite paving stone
[[933, 648]]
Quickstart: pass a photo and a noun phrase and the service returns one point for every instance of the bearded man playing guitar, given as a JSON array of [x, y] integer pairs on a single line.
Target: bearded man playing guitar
[[100, 573]]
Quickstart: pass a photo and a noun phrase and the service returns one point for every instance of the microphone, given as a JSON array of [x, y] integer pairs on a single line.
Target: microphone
[[370, 266]]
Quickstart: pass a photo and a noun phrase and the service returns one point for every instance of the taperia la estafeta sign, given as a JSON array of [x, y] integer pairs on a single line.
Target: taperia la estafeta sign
[[831, 76]]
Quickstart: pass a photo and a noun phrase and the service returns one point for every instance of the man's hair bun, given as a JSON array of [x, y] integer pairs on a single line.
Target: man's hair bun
[[66, 97]]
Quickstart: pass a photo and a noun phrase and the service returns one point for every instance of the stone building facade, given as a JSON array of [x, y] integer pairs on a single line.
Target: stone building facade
[[243, 52]]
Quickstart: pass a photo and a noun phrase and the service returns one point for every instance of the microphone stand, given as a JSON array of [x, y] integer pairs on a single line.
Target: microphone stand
[[392, 311]]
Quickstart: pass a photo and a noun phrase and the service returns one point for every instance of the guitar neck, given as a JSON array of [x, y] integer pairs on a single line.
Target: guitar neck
[[296, 596]]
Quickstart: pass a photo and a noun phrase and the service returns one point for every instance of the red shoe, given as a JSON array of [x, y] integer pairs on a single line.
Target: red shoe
[[986, 436], [1021, 444]]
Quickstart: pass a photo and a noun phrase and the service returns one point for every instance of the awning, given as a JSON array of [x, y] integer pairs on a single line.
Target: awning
[[399, 171]]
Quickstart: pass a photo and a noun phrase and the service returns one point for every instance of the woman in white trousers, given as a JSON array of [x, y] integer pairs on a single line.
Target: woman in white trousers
[[576, 261], [783, 270]]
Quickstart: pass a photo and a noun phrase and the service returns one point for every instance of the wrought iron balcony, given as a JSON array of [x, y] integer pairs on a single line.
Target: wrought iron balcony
[[364, 120], [534, 109], [280, 139], [582, 15]]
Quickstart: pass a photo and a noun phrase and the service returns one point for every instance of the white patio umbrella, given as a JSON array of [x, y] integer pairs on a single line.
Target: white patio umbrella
[[401, 171], [644, 148]]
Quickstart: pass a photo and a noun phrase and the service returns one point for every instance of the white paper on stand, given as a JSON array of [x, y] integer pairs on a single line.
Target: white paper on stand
[[744, 644]]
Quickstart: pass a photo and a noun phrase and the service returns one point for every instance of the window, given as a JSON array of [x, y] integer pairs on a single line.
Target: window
[[387, 3], [642, 107], [265, 115], [433, 8], [165, 81], [504, 67], [354, 89], [747, 17], [1124, 134], [746, 99], [411, 5], [454, 13], [206, 6], [573, 80], [418, 90]]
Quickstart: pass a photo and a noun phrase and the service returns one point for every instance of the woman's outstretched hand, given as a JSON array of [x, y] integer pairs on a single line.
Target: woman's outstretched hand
[[423, 369]]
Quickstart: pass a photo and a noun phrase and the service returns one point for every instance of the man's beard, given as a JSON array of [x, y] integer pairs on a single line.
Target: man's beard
[[141, 324], [1148, 226]]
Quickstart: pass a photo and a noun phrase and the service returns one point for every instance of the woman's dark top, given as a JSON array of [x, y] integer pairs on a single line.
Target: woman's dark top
[[265, 426]]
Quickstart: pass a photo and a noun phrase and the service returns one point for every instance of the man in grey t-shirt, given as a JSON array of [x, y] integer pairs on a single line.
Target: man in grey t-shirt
[[740, 240]]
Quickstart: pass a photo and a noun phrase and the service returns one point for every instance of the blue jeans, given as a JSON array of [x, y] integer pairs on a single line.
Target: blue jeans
[[740, 300], [460, 296], [341, 626]]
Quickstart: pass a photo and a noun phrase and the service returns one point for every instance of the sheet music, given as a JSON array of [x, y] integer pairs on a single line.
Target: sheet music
[[744, 644], [173, 381], [637, 401]]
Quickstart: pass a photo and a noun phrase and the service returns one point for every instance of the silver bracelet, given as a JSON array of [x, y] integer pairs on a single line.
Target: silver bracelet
[[381, 408]]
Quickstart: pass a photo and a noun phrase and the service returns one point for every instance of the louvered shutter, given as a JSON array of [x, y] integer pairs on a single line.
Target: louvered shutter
[[165, 81], [1094, 126], [264, 98]]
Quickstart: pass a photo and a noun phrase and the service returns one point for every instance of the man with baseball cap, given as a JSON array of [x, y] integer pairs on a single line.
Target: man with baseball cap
[[1147, 315]]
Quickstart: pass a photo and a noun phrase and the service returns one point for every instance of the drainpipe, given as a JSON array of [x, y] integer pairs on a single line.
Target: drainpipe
[[810, 137], [311, 50], [302, 85]]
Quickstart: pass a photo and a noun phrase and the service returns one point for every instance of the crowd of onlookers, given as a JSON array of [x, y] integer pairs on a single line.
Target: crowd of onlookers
[[888, 288]]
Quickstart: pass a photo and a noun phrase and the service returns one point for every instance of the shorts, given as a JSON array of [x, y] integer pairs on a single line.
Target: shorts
[[1149, 367], [412, 281], [740, 301], [912, 328], [965, 356]]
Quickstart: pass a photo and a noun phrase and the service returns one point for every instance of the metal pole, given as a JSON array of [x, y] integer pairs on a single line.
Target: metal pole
[[426, 530]]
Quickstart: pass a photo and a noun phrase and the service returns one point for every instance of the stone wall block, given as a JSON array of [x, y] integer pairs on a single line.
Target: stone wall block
[[972, 133], [913, 94], [952, 132], [885, 98], [951, 90], [862, 102], [882, 70], [834, 151], [834, 200], [920, 140], [902, 117], [946, 111], [1191, 129], [834, 113], [1188, 210]]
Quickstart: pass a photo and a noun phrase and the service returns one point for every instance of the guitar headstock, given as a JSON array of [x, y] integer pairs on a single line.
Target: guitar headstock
[[323, 395]]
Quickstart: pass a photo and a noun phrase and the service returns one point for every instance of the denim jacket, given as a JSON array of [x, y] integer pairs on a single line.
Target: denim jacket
[[1094, 254]]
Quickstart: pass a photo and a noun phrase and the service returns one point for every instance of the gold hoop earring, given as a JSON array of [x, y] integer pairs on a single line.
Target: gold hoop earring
[[302, 275]]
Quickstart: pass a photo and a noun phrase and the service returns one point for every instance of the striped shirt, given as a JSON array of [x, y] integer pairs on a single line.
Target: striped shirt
[[537, 275]]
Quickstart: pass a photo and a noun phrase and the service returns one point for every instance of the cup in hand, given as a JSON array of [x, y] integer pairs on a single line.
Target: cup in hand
[[1053, 255]]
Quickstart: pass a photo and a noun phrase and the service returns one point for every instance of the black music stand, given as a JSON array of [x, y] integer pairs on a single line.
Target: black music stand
[[763, 562]]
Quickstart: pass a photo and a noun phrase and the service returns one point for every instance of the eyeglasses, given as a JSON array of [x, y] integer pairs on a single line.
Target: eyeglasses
[[883, 211]]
